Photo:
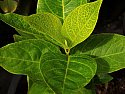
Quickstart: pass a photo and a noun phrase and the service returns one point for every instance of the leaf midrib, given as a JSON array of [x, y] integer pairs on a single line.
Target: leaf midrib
[[68, 61], [63, 9]]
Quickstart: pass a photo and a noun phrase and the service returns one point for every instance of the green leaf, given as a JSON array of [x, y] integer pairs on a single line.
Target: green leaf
[[39, 88], [17, 57], [80, 23], [28, 35], [38, 26], [19, 23], [8, 5], [44, 64], [68, 75], [60, 8], [107, 49], [24, 57], [48, 24], [20, 55]]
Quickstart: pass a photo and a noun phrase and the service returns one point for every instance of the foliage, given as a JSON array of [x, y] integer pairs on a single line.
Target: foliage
[[56, 25], [8, 5], [60, 8]]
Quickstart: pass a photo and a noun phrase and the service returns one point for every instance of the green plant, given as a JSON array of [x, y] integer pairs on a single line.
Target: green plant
[[68, 25], [8, 5]]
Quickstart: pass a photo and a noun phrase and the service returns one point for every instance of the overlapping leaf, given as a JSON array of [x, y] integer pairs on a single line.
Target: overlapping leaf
[[25, 58], [44, 63], [80, 23], [60, 8], [69, 75], [76, 28], [22, 56], [107, 49], [38, 26]]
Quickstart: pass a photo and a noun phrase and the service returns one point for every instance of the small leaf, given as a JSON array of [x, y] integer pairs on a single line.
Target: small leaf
[[8, 5], [80, 23], [60, 8], [18, 38], [107, 49], [41, 26], [104, 78]]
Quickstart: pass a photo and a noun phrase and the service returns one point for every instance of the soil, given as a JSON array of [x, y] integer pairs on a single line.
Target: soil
[[111, 20]]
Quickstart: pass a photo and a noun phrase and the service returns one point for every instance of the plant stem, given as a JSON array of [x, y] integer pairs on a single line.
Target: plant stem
[[67, 51]]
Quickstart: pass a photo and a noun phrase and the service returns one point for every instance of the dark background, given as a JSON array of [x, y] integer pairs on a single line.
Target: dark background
[[111, 20]]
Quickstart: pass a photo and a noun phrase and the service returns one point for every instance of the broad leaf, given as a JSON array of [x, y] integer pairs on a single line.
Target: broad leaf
[[107, 49], [68, 75], [38, 26], [20, 57], [48, 24], [60, 8], [80, 23], [25, 58], [44, 64]]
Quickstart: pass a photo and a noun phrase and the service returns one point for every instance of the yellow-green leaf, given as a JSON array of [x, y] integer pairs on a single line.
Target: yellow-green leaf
[[40, 26], [80, 23]]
